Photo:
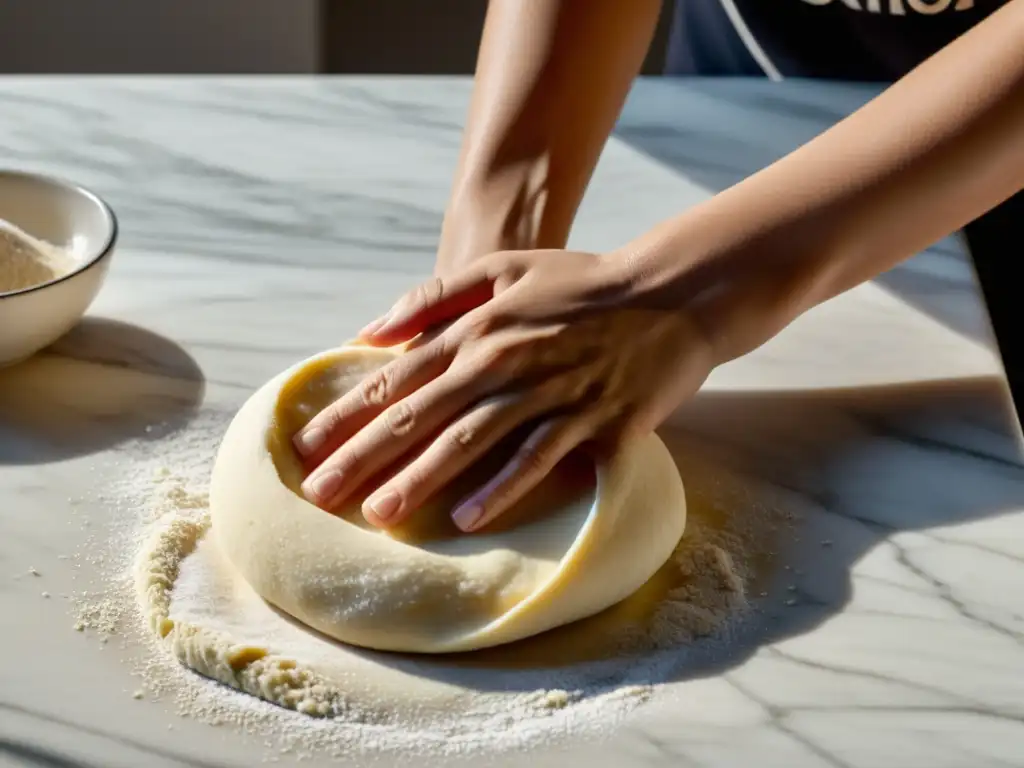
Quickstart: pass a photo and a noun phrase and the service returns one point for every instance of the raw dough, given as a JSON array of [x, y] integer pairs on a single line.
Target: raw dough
[[425, 587]]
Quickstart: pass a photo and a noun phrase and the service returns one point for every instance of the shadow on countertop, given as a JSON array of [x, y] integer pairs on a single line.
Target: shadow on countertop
[[859, 467], [102, 384], [22, 753]]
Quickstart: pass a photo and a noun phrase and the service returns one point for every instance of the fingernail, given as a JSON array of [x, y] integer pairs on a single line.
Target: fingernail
[[308, 441], [324, 487], [384, 506], [467, 516]]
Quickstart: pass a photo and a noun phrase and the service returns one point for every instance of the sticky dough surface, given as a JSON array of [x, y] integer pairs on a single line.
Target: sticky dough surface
[[583, 540]]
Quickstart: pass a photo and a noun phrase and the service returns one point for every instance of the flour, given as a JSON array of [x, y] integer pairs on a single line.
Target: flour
[[574, 683], [26, 261]]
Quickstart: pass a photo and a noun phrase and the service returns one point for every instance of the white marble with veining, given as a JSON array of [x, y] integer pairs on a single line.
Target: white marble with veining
[[265, 219]]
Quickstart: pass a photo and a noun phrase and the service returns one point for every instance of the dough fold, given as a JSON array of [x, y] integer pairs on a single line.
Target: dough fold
[[585, 539]]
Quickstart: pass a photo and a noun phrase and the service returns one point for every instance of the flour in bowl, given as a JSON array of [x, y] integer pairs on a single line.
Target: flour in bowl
[[26, 261]]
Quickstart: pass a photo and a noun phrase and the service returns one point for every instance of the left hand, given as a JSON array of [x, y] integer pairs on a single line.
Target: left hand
[[555, 338]]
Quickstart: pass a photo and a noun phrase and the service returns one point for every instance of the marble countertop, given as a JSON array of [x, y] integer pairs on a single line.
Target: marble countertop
[[266, 219]]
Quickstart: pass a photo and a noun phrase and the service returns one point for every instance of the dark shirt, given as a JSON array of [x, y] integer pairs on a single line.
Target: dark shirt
[[876, 40], [867, 40]]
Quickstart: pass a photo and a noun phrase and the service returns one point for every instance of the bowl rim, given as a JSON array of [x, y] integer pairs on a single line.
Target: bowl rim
[[88, 262]]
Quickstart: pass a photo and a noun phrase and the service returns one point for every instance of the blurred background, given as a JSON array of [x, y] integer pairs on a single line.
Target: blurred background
[[430, 37]]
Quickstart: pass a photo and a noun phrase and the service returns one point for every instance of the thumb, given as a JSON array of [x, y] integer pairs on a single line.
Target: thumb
[[436, 301]]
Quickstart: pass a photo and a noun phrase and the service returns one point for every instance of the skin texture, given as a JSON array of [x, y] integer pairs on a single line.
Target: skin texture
[[586, 348]]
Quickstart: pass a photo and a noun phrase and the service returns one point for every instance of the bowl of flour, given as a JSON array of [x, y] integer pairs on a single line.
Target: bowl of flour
[[56, 243]]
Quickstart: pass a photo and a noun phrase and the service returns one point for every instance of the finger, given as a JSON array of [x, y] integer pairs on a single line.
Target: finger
[[430, 303], [394, 432], [451, 452], [335, 424], [536, 457]]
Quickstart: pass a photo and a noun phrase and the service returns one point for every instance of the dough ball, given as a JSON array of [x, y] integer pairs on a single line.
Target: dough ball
[[585, 539]]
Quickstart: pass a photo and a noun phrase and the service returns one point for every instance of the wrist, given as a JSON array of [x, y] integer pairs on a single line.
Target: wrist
[[509, 207], [740, 279], [476, 226]]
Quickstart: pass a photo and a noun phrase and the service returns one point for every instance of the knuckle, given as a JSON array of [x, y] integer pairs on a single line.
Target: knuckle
[[461, 438], [427, 294], [376, 388], [400, 419], [435, 289], [443, 347], [347, 462], [439, 349]]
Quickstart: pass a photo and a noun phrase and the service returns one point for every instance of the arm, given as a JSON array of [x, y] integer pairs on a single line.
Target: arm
[[551, 78], [587, 348], [937, 149]]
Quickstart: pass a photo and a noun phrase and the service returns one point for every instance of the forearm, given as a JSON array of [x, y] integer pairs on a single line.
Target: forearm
[[934, 151], [551, 78]]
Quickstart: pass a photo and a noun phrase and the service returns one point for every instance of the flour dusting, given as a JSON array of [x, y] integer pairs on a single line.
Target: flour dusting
[[303, 695]]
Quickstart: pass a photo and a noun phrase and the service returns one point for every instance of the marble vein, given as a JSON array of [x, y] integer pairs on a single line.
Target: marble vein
[[265, 219]]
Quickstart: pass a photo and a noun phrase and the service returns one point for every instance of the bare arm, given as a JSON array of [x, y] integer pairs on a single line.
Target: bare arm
[[604, 347], [937, 149], [551, 78]]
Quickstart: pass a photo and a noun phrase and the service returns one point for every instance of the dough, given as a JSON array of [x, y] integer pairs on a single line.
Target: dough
[[558, 556]]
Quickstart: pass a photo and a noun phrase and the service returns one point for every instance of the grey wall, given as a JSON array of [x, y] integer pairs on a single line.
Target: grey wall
[[249, 36], [159, 36], [422, 36]]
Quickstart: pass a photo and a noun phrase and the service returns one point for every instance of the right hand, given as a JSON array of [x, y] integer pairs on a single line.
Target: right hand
[[557, 341]]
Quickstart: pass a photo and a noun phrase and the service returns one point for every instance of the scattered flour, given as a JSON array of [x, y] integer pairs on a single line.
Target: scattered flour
[[306, 696], [26, 261]]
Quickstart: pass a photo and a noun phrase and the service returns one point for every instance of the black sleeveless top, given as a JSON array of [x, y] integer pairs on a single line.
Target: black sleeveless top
[[840, 39], [866, 40]]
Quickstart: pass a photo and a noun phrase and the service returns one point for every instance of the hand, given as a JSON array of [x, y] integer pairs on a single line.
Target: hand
[[547, 337]]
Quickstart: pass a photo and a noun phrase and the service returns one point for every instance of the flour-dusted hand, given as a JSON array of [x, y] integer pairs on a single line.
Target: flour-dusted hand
[[551, 339]]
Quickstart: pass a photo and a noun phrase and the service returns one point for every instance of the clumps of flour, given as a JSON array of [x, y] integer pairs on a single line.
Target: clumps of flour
[[26, 261], [166, 585], [246, 667]]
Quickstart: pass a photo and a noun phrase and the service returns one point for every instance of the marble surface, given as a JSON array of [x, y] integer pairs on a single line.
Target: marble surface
[[264, 220]]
